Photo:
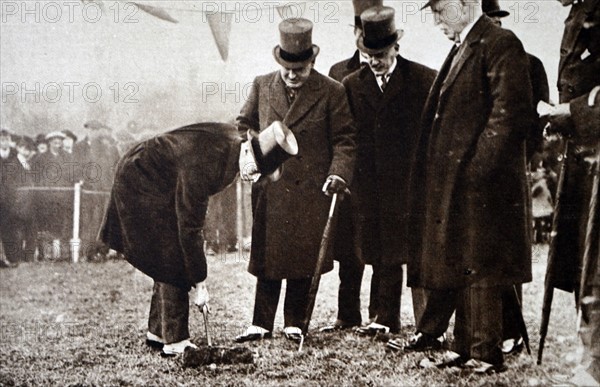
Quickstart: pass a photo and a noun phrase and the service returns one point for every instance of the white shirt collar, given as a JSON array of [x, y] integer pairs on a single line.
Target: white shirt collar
[[362, 59], [23, 161], [4, 153], [465, 32], [388, 74]]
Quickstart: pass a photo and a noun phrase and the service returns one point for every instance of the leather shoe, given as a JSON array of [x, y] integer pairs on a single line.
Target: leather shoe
[[154, 341], [293, 334], [481, 367], [4, 263], [338, 325], [373, 329], [253, 333], [422, 342], [512, 346], [178, 348]]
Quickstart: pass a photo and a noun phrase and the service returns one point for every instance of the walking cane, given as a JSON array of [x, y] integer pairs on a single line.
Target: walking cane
[[592, 227], [314, 284], [548, 288]]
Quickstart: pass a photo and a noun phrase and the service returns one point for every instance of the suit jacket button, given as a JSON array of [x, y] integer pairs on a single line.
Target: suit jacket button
[[571, 89]]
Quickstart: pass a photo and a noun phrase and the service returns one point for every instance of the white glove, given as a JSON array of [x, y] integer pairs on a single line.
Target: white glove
[[202, 297]]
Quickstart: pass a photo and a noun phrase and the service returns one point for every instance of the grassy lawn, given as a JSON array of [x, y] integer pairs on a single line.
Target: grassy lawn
[[84, 324]]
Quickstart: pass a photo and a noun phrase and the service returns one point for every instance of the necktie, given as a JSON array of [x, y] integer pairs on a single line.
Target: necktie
[[448, 63], [383, 82], [291, 94]]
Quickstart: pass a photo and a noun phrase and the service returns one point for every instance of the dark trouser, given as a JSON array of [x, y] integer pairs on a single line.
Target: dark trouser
[[9, 236], [374, 294], [389, 295], [419, 299], [169, 313], [478, 326], [351, 266], [351, 272], [267, 298], [510, 313]]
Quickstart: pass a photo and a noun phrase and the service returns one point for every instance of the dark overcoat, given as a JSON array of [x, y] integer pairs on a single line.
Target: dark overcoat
[[160, 196], [290, 214], [469, 187], [342, 69], [10, 174], [388, 127], [578, 73]]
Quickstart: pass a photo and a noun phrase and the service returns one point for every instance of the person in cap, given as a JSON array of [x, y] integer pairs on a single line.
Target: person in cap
[[69, 141], [41, 145], [577, 117], [351, 266], [9, 177], [290, 215], [158, 206], [24, 203], [512, 340], [386, 98], [51, 170], [469, 189]]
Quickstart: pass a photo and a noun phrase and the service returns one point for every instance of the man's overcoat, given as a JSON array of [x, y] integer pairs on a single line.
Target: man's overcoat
[[290, 214], [388, 125], [470, 186], [160, 196]]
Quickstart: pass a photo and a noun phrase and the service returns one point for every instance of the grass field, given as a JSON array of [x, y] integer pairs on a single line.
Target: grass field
[[84, 324]]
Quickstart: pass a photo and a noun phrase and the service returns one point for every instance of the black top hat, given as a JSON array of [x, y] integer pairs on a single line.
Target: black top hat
[[361, 6], [273, 146], [296, 49], [379, 30], [492, 8]]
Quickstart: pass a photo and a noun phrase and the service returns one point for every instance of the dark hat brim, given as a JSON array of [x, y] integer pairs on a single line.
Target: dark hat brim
[[428, 4], [498, 13], [374, 51], [295, 65]]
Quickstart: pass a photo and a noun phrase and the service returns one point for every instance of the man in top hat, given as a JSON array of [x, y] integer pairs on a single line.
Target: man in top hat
[[469, 187], [290, 215], [386, 98], [158, 207], [9, 177], [345, 248], [340, 70]]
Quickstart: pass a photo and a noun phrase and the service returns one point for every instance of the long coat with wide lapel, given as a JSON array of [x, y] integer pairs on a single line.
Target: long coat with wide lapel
[[388, 125], [290, 214], [578, 73], [469, 185], [160, 196]]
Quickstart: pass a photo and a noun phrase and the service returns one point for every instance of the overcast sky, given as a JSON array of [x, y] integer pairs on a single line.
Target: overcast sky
[[162, 75]]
